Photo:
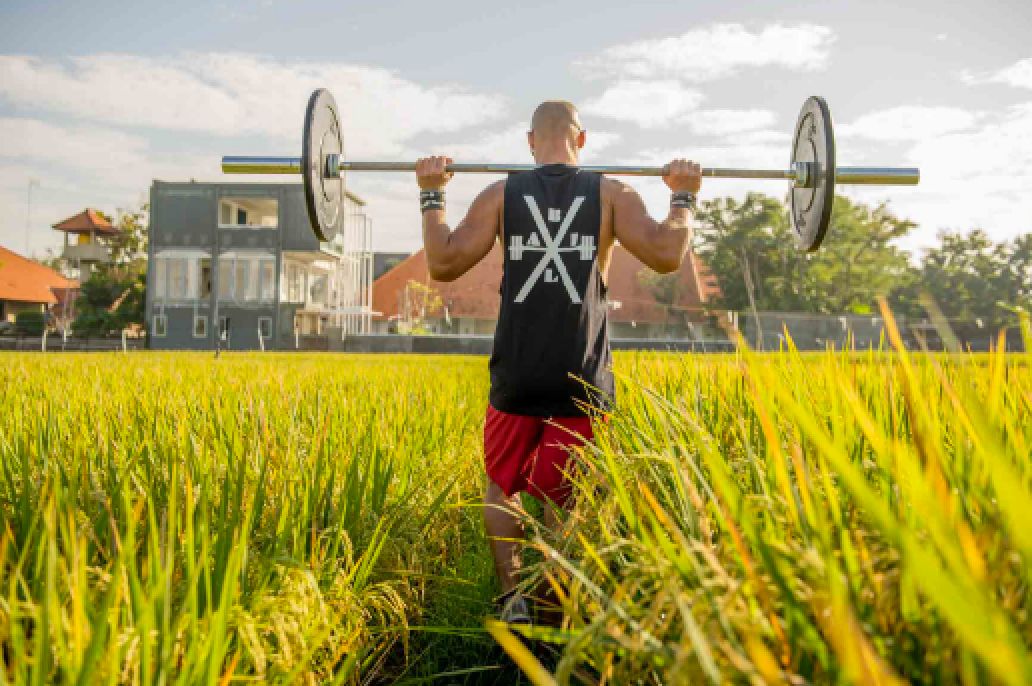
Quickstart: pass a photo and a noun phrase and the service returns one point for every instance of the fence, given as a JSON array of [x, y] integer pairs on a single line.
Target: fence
[[55, 343], [767, 331]]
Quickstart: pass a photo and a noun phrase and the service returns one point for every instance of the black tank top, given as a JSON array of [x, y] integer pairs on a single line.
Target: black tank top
[[552, 336]]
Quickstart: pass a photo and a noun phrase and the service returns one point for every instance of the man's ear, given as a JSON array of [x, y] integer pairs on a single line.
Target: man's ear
[[581, 138], [530, 140]]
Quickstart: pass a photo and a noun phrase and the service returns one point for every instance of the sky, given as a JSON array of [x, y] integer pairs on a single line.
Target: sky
[[98, 99]]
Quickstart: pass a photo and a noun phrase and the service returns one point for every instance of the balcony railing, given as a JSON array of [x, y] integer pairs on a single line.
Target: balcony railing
[[86, 252]]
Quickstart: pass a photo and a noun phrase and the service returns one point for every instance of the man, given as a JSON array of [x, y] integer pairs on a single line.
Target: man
[[551, 360]]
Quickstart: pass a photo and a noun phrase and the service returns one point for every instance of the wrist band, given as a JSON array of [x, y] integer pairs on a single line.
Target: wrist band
[[431, 200], [683, 200]]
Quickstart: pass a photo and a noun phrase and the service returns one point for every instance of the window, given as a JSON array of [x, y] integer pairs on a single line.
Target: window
[[225, 279], [247, 278], [268, 278], [224, 328], [295, 284], [206, 278], [178, 279], [200, 326], [159, 327], [265, 327], [181, 275], [318, 289], [248, 213], [160, 274]]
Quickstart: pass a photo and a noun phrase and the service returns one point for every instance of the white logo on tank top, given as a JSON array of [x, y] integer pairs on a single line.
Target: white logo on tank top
[[552, 248]]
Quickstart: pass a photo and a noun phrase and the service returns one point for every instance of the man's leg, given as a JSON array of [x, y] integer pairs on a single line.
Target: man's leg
[[505, 533], [550, 482], [510, 441]]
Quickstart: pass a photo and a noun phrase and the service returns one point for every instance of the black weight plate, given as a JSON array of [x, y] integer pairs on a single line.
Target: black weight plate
[[814, 143], [322, 137]]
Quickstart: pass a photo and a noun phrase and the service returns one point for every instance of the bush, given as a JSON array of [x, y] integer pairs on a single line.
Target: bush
[[29, 323]]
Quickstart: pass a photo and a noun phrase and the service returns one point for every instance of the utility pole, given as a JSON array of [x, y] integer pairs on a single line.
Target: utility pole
[[28, 213]]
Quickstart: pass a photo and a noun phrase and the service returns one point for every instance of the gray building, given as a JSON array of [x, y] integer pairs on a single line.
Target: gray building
[[240, 260]]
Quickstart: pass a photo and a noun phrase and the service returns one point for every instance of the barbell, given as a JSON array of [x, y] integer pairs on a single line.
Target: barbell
[[811, 172]]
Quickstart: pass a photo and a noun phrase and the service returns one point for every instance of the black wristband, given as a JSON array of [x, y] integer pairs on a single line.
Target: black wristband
[[682, 200], [431, 200]]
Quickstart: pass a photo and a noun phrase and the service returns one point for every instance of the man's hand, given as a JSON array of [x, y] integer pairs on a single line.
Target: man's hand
[[683, 175], [430, 173]]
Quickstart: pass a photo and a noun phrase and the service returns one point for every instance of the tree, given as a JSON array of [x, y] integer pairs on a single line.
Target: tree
[[665, 288], [129, 246], [420, 301], [971, 278], [1015, 282], [750, 248], [110, 300]]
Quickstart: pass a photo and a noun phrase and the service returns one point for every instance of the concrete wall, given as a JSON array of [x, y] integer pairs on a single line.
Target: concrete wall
[[482, 345]]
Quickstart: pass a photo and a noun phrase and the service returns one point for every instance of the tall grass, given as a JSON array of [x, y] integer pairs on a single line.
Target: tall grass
[[765, 518], [822, 518], [169, 518]]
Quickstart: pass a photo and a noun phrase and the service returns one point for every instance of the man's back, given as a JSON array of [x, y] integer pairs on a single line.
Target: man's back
[[552, 335]]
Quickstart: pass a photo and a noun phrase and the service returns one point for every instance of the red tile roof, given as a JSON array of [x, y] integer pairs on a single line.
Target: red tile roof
[[87, 220], [23, 280], [475, 293]]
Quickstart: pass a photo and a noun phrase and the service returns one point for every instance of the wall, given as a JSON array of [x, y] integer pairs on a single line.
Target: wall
[[482, 345], [9, 309]]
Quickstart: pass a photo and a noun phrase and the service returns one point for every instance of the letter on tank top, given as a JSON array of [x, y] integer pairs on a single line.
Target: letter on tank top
[[552, 335]]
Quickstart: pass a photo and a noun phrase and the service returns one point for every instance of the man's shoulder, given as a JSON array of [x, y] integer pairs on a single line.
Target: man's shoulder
[[493, 194]]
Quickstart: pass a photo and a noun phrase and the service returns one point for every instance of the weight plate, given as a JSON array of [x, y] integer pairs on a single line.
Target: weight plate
[[322, 137], [814, 143]]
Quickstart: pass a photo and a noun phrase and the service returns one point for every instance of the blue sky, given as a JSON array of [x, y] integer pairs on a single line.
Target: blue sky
[[97, 100]]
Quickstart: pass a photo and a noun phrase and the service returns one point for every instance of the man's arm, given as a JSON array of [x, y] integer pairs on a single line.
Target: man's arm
[[660, 245], [450, 254]]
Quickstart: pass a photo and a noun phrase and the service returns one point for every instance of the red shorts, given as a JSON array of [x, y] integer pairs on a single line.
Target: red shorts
[[524, 453]]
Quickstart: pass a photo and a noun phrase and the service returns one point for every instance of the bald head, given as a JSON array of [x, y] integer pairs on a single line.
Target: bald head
[[555, 129], [555, 118]]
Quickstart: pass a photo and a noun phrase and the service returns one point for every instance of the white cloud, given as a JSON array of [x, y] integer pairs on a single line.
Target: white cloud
[[1018, 74], [977, 177], [95, 155], [236, 94], [645, 103], [910, 123], [728, 122], [714, 52]]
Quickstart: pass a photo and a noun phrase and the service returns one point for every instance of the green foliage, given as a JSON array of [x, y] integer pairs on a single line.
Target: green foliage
[[970, 277], [751, 242], [109, 301], [777, 518], [822, 519], [30, 322], [129, 245], [666, 289], [132, 302], [420, 302], [173, 519]]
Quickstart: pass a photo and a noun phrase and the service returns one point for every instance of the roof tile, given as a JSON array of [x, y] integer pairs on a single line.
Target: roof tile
[[23, 280]]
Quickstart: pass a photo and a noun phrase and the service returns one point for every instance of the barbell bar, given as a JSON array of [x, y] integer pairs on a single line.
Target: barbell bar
[[811, 172], [873, 176]]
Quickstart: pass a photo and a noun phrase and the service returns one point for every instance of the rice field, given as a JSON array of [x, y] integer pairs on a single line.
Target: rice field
[[779, 518]]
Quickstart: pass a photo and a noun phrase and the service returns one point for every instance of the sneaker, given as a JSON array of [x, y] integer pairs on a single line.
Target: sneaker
[[513, 608]]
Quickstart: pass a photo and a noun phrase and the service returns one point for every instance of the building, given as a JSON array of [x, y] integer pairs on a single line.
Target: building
[[241, 258], [88, 249], [383, 262], [28, 285], [469, 305]]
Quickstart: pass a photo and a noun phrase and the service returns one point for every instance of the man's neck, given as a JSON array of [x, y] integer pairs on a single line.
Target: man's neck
[[556, 157]]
